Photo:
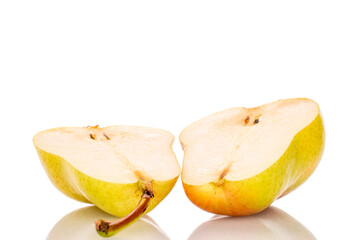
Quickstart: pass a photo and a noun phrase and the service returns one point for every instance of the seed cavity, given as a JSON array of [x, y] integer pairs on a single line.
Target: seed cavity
[[105, 135], [92, 136]]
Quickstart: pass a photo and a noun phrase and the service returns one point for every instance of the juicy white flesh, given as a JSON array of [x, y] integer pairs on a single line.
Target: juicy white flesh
[[230, 145], [129, 154]]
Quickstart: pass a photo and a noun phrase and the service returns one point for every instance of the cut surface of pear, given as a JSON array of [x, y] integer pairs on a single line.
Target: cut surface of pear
[[120, 169], [238, 161], [113, 154]]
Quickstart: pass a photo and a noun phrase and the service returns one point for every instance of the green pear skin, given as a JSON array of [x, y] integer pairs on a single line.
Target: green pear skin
[[252, 195], [114, 198]]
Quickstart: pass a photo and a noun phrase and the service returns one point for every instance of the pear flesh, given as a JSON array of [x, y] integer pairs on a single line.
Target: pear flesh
[[238, 161], [121, 169]]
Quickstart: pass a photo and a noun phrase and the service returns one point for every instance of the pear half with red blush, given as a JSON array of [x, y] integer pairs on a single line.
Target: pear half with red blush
[[238, 161]]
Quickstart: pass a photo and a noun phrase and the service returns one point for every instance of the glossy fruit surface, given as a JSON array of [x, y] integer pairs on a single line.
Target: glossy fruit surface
[[238, 161]]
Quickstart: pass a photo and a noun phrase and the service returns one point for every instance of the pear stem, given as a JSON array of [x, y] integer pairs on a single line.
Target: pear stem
[[107, 228]]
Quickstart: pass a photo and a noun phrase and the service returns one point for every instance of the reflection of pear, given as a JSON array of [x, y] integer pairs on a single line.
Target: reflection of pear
[[79, 225], [270, 224]]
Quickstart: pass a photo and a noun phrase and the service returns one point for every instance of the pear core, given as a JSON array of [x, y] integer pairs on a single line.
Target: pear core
[[118, 154], [239, 143]]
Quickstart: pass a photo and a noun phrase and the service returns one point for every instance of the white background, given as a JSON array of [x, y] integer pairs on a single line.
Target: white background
[[166, 64]]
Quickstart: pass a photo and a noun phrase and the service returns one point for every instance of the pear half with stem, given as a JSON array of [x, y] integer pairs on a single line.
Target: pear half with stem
[[238, 161], [124, 170]]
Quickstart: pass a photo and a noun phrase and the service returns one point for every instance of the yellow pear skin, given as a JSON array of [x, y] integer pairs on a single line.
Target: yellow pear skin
[[252, 195], [115, 199]]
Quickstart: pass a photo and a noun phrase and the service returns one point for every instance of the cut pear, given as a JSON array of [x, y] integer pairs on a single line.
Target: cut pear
[[118, 154], [124, 170], [237, 161]]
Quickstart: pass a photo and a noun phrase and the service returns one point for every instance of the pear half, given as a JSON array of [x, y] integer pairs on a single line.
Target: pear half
[[124, 170], [238, 161]]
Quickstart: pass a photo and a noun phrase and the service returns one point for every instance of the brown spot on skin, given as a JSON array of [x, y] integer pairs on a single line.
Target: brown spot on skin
[[256, 121], [247, 119]]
